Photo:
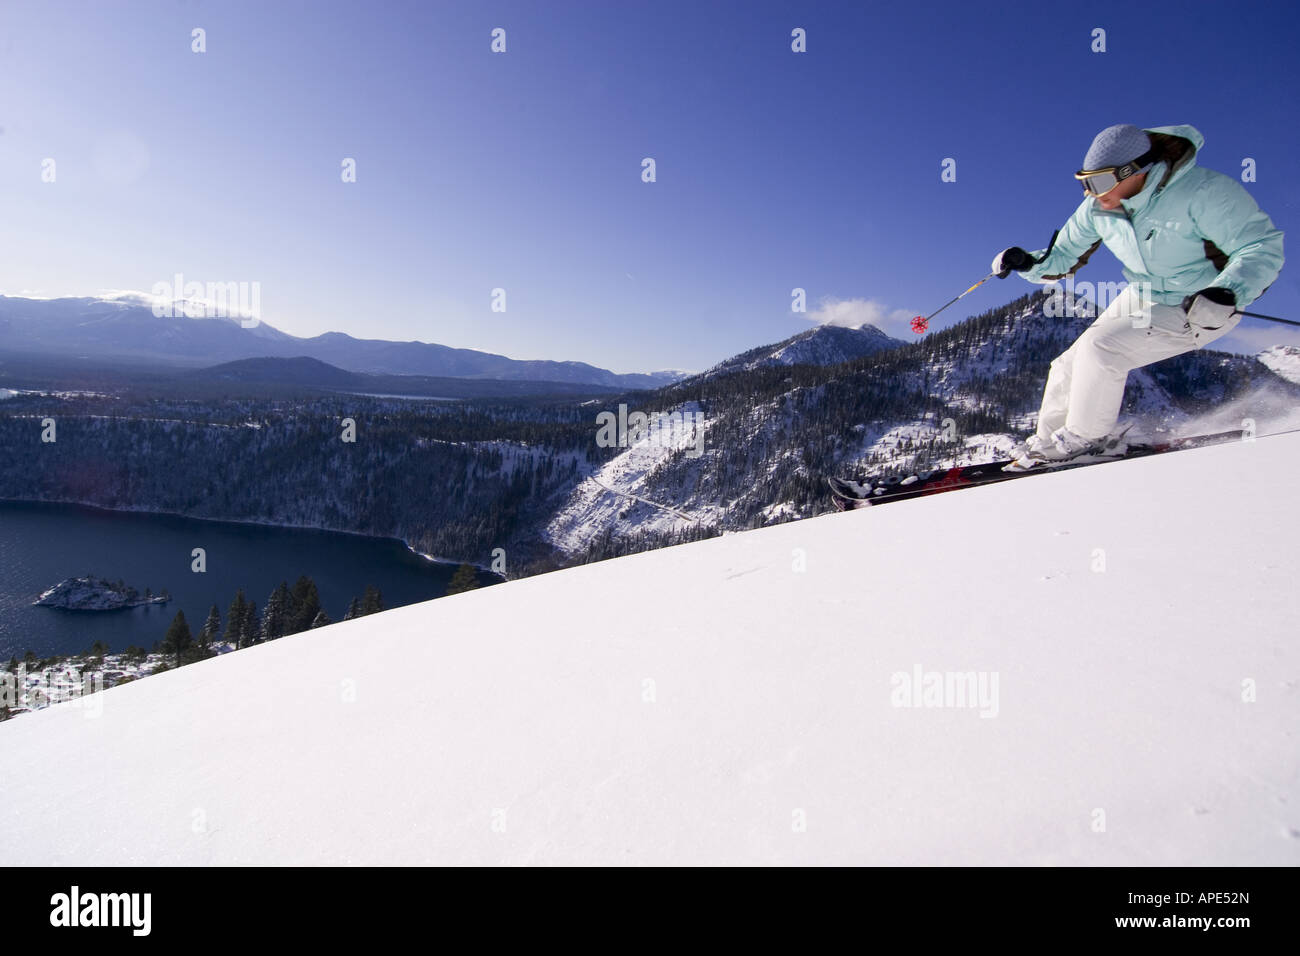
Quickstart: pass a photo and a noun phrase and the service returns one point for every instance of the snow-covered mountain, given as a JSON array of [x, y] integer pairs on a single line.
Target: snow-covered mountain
[[125, 327], [535, 480], [852, 689], [1284, 360], [820, 345], [958, 396]]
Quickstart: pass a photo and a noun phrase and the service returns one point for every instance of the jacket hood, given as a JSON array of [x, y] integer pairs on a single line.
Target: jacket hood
[[1189, 133], [1178, 146]]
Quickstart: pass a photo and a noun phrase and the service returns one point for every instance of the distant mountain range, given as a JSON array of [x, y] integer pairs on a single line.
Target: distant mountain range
[[126, 328]]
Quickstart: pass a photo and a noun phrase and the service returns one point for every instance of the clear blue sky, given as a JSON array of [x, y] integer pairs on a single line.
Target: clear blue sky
[[522, 170]]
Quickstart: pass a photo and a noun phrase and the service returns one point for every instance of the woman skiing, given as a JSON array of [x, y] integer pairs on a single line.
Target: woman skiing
[[1194, 247]]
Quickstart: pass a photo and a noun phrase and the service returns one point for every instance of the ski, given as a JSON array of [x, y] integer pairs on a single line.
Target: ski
[[866, 492]]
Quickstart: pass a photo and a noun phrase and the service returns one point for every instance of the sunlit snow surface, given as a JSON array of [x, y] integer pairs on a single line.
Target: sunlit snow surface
[[729, 701]]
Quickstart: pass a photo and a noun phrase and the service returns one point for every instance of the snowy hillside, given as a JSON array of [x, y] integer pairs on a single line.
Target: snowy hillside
[[1131, 647], [1284, 360], [964, 394], [613, 491]]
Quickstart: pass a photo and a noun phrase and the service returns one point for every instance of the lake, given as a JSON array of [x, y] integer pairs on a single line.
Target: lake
[[41, 544]]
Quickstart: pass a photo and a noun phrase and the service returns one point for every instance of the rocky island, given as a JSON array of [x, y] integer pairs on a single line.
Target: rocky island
[[96, 594]]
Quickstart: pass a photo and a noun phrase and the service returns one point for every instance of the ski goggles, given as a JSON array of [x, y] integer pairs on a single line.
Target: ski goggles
[[1098, 182]]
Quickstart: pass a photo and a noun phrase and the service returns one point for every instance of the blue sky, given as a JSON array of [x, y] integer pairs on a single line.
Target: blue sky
[[522, 170]]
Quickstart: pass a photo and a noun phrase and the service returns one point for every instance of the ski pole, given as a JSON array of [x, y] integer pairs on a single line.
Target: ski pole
[[922, 322], [1271, 318]]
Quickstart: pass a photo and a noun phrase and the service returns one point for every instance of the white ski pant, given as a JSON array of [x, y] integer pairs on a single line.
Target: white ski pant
[[1085, 386]]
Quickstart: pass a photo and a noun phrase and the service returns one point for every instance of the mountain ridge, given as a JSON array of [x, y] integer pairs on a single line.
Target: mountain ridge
[[127, 328], [820, 345], [308, 372]]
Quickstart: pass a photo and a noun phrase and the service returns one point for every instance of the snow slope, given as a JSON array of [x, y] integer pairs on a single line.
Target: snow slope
[[698, 704]]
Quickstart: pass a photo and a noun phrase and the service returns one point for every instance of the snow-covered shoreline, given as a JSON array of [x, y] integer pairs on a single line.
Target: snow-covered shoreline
[[450, 562], [79, 679]]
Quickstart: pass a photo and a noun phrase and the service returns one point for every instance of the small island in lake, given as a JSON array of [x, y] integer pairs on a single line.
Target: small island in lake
[[96, 594]]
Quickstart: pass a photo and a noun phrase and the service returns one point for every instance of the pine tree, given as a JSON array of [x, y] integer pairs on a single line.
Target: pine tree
[[275, 617], [372, 602], [178, 639], [211, 628], [252, 624], [235, 619], [465, 579], [353, 611], [306, 605], [321, 619]]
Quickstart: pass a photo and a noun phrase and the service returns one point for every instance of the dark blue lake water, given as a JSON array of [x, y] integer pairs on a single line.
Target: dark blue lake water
[[41, 544]]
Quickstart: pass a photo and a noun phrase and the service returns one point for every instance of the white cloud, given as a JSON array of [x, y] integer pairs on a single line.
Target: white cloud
[[129, 296], [1254, 338], [28, 294], [194, 307], [854, 313]]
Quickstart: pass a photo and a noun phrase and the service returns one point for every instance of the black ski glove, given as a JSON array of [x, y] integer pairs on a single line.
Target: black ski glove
[[1215, 294], [1012, 260]]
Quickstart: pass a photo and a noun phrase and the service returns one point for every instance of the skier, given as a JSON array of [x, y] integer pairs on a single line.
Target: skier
[[1194, 247]]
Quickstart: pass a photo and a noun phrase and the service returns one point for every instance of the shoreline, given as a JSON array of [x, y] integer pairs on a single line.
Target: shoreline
[[448, 562], [451, 562]]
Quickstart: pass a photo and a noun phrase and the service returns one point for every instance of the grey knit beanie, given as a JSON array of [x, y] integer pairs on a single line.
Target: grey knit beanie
[[1117, 145]]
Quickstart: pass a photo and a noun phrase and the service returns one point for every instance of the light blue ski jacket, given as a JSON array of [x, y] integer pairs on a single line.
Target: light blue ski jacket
[[1188, 229]]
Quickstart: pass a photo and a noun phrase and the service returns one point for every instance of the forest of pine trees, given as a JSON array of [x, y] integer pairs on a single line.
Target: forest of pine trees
[[288, 610]]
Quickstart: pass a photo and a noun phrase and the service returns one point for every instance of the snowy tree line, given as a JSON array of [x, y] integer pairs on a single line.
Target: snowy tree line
[[288, 610]]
